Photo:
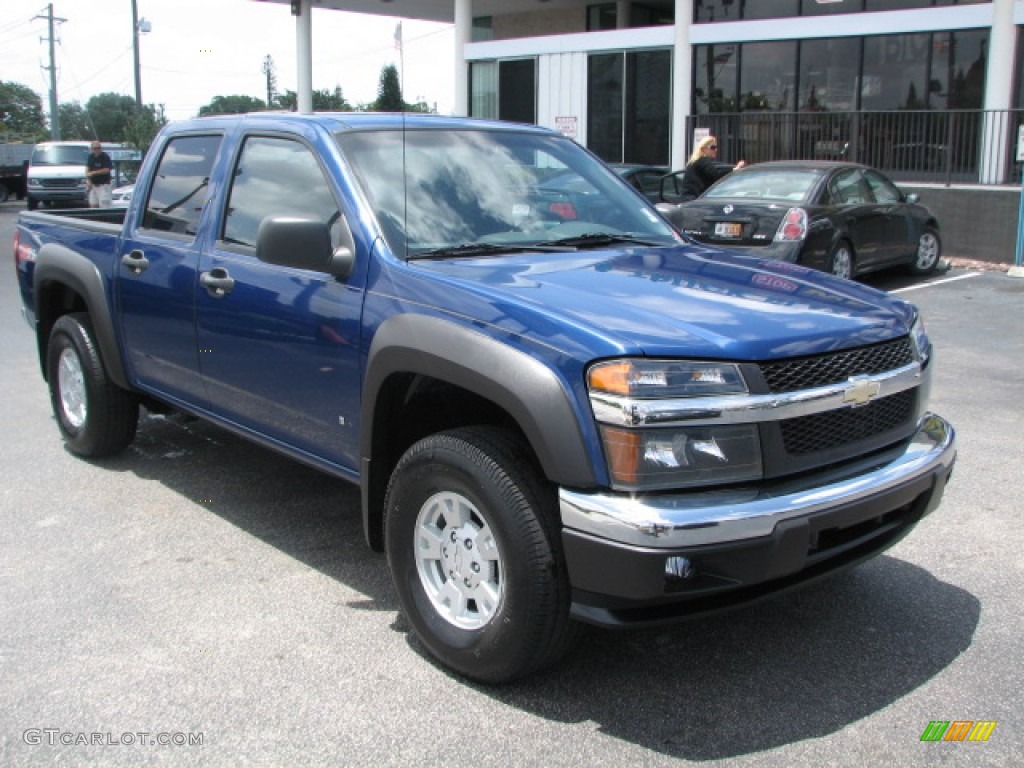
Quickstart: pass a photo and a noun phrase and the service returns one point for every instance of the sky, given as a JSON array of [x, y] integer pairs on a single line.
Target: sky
[[198, 49]]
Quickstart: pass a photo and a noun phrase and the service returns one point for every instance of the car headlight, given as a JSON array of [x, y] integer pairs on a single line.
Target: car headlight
[[638, 403], [35, 183], [919, 338]]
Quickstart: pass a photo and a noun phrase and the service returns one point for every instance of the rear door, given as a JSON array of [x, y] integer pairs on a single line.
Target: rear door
[[279, 346], [157, 271], [865, 222]]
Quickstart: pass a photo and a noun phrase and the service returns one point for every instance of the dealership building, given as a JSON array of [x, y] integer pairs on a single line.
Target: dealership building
[[930, 91]]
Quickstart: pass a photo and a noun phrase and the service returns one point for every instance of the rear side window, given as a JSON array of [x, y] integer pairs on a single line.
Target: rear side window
[[847, 188], [180, 185], [280, 177]]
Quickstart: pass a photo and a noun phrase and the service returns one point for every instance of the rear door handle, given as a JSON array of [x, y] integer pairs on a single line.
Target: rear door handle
[[136, 261], [217, 282]]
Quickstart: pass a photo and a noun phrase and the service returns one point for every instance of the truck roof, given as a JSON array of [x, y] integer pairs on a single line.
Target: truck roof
[[341, 121]]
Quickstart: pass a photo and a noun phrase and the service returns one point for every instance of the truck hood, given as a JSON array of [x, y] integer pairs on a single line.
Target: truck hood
[[687, 300]]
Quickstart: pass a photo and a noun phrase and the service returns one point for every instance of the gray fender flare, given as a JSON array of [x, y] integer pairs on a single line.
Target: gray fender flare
[[523, 386], [56, 263]]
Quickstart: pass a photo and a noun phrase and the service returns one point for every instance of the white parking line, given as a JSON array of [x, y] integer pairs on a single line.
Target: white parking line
[[936, 282]]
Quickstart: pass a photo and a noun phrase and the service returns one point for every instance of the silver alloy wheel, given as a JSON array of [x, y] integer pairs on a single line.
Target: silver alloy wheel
[[927, 251], [71, 385], [458, 560], [842, 262]]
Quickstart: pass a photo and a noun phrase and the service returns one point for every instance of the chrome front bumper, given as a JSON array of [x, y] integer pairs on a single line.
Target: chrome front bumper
[[700, 518]]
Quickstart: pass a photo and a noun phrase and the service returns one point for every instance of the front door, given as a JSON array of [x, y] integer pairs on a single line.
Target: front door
[[279, 346]]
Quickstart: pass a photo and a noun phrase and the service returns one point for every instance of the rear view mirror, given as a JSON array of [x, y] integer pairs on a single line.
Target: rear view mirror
[[303, 243]]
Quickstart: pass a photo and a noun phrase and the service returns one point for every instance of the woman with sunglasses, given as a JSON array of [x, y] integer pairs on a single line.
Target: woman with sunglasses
[[703, 169]]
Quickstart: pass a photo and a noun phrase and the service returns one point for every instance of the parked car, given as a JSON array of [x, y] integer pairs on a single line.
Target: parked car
[[122, 196], [645, 178], [842, 218]]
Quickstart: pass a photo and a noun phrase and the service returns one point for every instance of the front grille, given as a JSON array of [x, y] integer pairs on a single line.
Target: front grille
[[60, 183], [821, 370], [832, 429]]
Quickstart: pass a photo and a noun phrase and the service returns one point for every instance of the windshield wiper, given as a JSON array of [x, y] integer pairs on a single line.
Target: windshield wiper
[[597, 240], [480, 249]]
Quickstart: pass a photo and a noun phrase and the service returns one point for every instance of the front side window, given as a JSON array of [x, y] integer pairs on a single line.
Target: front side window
[[180, 188], [277, 176]]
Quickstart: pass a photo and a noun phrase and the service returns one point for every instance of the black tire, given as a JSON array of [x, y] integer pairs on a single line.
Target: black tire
[[928, 252], [95, 417], [507, 541], [32, 203], [841, 261]]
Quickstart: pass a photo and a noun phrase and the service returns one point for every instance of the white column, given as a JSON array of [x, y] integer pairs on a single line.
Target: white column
[[304, 55], [463, 35], [998, 91], [682, 82]]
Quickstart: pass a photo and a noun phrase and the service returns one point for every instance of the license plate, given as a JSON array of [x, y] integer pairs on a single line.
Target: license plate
[[728, 229]]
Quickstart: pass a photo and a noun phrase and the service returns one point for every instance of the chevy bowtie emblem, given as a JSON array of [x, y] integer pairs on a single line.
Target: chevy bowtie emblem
[[860, 391], [728, 209]]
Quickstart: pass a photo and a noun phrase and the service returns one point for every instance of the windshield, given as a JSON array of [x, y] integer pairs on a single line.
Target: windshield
[[60, 156], [775, 184], [443, 191]]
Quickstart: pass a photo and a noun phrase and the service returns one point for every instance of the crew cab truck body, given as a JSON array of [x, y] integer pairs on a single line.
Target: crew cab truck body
[[558, 409]]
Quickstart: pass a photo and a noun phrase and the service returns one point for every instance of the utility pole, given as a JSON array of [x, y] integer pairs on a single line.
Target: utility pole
[[54, 110], [135, 48]]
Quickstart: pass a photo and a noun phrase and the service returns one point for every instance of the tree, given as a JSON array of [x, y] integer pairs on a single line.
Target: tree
[[232, 105], [145, 124], [389, 91], [21, 110], [323, 101], [74, 122], [110, 114]]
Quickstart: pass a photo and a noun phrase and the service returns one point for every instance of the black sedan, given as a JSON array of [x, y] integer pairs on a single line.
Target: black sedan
[[842, 218]]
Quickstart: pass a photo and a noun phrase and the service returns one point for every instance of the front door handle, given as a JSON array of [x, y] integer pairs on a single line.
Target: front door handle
[[136, 261], [217, 282]]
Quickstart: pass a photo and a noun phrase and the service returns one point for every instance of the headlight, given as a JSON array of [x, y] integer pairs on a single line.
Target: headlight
[[35, 183], [922, 344], [650, 459], [631, 397]]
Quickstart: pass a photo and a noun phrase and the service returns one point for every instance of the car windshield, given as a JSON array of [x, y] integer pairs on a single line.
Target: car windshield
[[474, 192], [60, 156], [764, 183]]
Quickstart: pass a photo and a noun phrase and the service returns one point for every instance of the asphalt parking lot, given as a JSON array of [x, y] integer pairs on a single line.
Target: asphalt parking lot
[[211, 595]]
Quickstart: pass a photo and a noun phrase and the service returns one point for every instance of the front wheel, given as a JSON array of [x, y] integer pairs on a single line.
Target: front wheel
[[929, 249], [95, 416], [475, 554]]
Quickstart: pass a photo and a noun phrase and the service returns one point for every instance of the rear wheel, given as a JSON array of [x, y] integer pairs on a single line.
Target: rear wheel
[[840, 261], [32, 203], [96, 417], [929, 249], [475, 553]]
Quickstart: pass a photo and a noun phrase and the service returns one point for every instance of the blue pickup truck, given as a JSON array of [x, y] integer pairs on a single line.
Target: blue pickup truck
[[558, 409]]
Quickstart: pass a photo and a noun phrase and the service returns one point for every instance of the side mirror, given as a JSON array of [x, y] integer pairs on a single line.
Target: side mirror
[[912, 198], [303, 243]]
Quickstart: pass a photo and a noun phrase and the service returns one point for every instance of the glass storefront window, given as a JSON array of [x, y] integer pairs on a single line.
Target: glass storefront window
[[517, 90], [825, 7], [483, 89], [604, 105], [829, 72], [716, 69], [648, 107], [768, 76], [895, 72], [958, 69], [601, 16]]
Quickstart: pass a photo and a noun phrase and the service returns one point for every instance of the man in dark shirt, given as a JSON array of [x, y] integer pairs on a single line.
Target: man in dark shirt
[[97, 174]]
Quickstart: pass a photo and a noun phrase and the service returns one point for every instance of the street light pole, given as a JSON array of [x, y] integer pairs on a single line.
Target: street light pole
[[135, 46]]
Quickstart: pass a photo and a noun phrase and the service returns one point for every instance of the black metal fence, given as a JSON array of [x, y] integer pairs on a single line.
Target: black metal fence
[[950, 147]]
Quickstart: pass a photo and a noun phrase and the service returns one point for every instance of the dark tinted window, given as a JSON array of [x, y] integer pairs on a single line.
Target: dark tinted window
[[848, 188], [829, 74], [717, 71], [605, 87], [895, 72], [768, 76], [648, 107], [882, 188], [516, 91], [276, 176], [180, 185]]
